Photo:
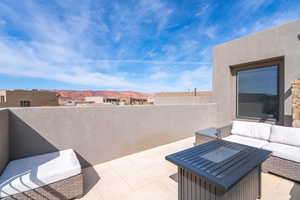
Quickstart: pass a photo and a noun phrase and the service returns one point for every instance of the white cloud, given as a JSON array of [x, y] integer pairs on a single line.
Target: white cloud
[[2, 22], [203, 10], [210, 31], [19, 60], [254, 5], [264, 23], [95, 44], [159, 75], [199, 78]]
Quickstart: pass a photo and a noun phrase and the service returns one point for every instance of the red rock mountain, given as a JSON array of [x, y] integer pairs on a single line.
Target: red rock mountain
[[80, 94]]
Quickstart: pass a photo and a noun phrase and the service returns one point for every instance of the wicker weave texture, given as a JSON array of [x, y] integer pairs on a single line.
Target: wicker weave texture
[[224, 131], [62, 190], [282, 167]]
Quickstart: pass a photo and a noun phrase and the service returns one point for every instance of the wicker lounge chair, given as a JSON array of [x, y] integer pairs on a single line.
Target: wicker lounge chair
[[48, 176]]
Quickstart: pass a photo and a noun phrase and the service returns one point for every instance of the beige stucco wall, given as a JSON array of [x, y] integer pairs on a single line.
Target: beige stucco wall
[[183, 100], [4, 138], [99, 134], [276, 42], [96, 99], [36, 98]]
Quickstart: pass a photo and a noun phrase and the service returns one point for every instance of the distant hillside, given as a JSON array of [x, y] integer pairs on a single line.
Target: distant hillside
[[78, 94]]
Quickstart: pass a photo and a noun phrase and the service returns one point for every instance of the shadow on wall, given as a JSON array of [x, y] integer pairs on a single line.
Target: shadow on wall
[[36, 144]]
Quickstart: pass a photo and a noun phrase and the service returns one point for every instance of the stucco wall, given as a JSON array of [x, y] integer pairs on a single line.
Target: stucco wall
[[4, 138], [276, 42], [99, 134], [183, 100], [36, 98]]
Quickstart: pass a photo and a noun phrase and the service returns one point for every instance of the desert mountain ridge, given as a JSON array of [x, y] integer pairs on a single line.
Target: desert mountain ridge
[[81, 94]]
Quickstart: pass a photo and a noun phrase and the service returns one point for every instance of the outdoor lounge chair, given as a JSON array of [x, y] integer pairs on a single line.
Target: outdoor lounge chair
[[48, 176], [284, 142]]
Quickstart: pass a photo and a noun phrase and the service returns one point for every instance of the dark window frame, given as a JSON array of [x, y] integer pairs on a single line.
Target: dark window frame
[[278, 61], [2, 99], [25, 103], [237, 93]]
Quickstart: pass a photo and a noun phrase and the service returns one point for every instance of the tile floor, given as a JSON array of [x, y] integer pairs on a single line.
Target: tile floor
[[145, 176]]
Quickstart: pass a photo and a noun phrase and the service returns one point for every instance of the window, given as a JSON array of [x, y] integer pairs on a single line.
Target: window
[[2, 99], [25, 103], [258, 93]]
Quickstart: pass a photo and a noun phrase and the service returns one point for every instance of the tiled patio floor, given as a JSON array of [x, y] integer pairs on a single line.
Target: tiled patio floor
[[145, 176]]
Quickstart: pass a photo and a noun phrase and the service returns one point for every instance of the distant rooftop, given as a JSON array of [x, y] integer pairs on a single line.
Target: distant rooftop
[[176, 94]]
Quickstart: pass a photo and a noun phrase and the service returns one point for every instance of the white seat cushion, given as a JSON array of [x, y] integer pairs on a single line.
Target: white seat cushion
[[251, 129], [246, 141], [285, 135], [284, 151], [36, 171]]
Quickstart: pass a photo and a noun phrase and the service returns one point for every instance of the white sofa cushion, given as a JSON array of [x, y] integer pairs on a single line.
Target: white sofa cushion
[[36, 171], [251, 129], [284, 151], [246, 141], [285, 135]]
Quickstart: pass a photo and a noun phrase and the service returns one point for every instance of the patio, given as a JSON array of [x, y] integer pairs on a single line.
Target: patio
[[145, 175]]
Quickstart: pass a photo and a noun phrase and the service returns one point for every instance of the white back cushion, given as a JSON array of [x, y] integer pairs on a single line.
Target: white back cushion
[[285, 135], [251, 129], [246, 141]]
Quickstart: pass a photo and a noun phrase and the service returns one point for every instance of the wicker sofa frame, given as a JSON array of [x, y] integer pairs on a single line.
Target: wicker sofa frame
[[282, 167], [69, 188]]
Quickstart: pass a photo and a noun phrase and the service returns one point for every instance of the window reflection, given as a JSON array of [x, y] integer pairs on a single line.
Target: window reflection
[[257, 91]]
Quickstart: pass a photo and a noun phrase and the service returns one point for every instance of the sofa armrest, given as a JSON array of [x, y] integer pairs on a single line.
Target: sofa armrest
[[205, 135], [209, 132], [224, 131]]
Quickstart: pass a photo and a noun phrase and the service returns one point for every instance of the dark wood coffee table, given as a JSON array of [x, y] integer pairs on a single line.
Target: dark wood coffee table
[[219, 170]]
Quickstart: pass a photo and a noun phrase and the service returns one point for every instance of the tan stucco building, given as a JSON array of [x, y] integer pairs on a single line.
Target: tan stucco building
[[27, 98], [256, 69]]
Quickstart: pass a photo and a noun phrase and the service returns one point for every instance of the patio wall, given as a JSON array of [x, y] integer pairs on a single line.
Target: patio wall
[[4, 138], [99, 134], [183, 100], [277, 42]]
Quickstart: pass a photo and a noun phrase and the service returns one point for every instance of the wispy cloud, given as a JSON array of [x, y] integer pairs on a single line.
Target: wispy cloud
[[133, 44], [210, 32], [253, 5], [264, 23]]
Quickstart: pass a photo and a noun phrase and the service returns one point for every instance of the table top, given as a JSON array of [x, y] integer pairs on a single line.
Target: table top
[[220, 162]]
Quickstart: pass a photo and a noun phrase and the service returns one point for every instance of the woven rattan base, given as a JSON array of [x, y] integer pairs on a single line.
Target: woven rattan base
[[282, 167], [70, 188]]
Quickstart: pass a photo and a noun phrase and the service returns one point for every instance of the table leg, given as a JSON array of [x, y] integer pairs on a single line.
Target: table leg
[[259, 182]]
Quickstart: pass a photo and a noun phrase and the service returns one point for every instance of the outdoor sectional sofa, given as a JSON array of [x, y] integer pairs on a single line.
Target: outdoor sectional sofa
[[284, 142], [48, 176]]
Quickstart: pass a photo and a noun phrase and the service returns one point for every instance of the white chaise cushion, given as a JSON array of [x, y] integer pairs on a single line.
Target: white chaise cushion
[[246, 141], [36, 171], [285, 135], [284, 151], [251, 129]]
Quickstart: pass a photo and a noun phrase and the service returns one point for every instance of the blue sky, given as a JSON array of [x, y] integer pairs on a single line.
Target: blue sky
[[141, 45]]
